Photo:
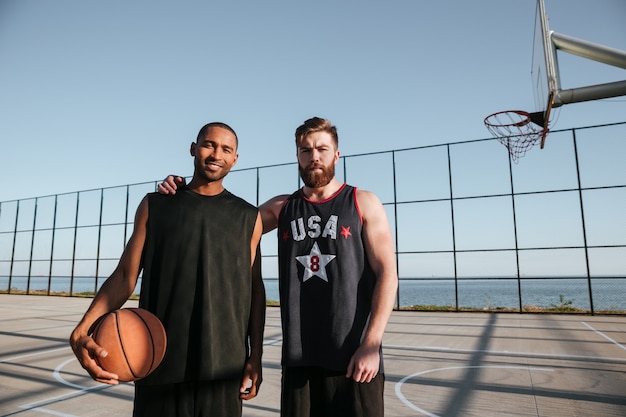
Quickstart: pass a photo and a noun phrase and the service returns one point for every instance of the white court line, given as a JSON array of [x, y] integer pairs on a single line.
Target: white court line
[[502, 353], [33, 405], [54, 413], [58, 377], [603, 335], [409, 404], [81, 390], [271, 342], [43, 352]]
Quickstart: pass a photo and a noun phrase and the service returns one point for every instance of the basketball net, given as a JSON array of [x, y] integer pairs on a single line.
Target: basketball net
[[515, 130]]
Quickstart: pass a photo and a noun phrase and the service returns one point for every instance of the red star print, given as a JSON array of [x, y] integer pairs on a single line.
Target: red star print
[[285, 235], [345, 231]]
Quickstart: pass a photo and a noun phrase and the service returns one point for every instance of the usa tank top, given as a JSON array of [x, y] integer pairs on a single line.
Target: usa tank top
[[325, 280]]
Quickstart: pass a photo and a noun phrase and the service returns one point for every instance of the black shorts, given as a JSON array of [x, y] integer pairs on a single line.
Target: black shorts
[[188, 399], [317, 392]]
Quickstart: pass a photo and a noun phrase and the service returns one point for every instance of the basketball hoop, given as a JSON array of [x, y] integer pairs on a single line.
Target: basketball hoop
[[517, 130]]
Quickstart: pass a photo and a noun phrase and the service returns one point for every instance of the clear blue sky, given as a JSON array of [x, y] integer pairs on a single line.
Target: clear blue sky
[[103, 93]]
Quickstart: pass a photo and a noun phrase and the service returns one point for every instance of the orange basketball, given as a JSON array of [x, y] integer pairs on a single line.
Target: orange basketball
[[135, 340]]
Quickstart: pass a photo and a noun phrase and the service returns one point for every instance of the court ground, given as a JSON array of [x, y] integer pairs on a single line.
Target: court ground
[[437, 364]]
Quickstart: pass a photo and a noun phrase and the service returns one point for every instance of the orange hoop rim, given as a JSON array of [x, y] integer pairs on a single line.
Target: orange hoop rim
[[525, 118]]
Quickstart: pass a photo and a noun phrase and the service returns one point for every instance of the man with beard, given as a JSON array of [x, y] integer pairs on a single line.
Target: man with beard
[[199, 252], [337, 281]]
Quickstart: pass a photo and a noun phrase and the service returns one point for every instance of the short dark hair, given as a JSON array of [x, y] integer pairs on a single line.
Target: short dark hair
[[202, 132], [316, 124]]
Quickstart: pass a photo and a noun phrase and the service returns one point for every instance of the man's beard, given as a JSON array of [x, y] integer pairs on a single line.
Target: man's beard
[[317, 179]]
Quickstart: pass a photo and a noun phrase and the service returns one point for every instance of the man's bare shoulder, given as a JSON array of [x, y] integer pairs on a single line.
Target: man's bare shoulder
[[275, 202], [370, 206], [270, 211], [367, 199]]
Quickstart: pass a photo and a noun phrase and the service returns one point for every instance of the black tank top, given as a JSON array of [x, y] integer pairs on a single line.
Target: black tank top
[[325, 280], [197, 280]]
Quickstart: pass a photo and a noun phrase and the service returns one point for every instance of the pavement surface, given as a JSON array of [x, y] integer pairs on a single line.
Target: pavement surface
[[436, 364]]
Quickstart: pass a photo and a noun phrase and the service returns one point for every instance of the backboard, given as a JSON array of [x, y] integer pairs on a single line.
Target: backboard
[[519, 130], [544, 72]]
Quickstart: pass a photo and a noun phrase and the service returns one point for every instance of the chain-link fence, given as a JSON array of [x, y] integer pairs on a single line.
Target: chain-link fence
[[472, 229]]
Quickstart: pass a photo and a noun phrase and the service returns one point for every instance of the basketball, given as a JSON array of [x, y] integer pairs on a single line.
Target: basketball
[[135, 340]]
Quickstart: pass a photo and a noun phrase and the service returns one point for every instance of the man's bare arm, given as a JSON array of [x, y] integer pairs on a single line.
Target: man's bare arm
[[380, 251], [253, 376], [270, 211], [111, 296]]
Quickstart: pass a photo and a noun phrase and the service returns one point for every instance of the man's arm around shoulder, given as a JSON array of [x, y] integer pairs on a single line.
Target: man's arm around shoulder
[[270, 210]]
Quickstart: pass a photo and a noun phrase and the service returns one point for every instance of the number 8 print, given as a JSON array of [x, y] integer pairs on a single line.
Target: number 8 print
[[315, 263]]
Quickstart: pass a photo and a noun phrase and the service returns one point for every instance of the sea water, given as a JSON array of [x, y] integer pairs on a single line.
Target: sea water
[[488, 294]]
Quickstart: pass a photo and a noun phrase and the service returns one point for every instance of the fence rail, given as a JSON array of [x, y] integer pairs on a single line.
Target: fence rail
[[472, 229]]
